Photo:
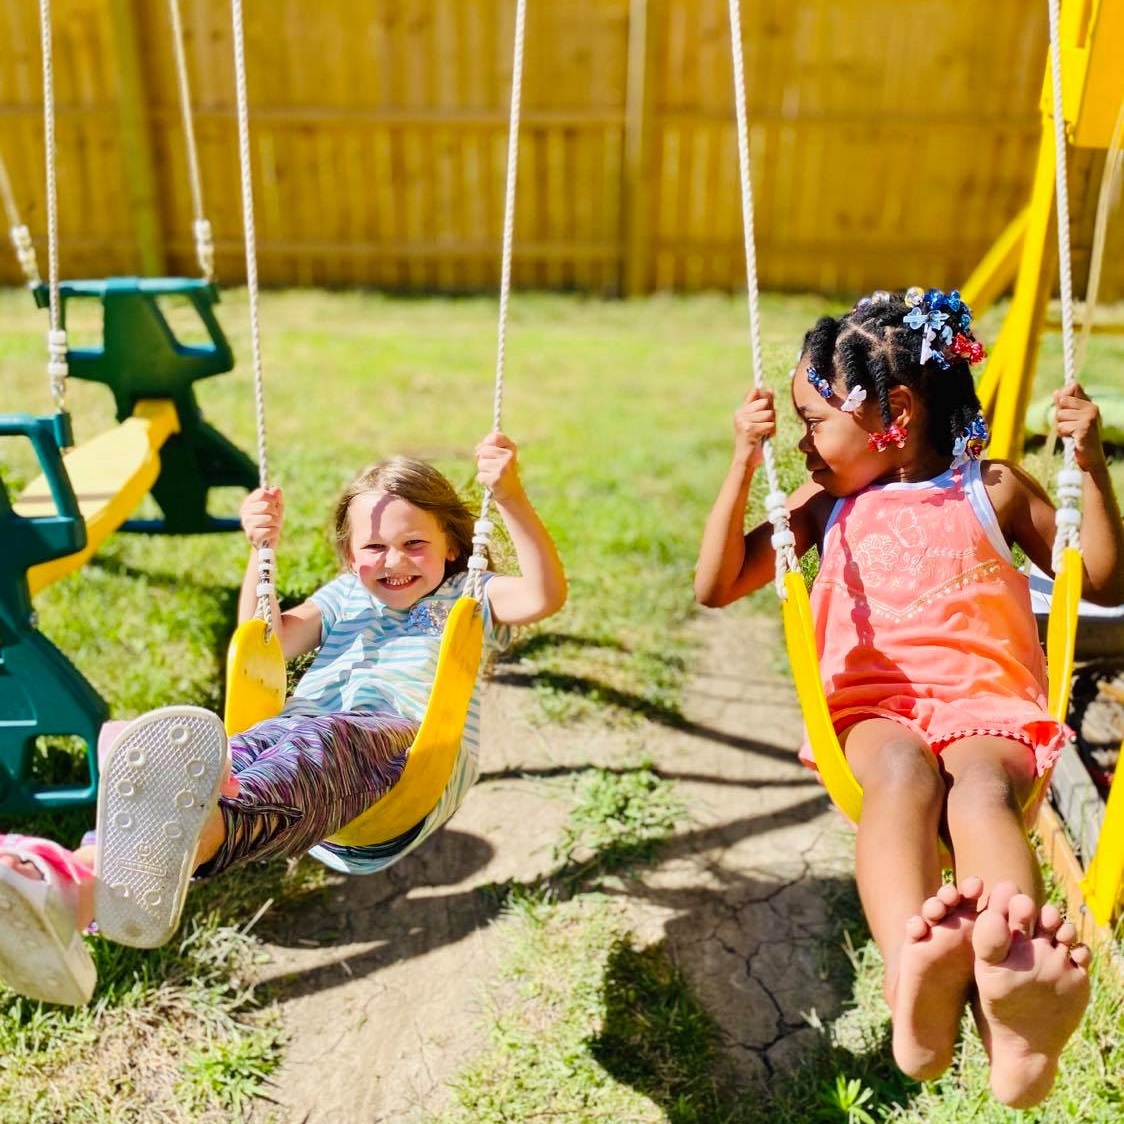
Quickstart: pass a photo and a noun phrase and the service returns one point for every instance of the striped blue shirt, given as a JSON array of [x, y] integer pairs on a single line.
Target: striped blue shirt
[[373, 657]]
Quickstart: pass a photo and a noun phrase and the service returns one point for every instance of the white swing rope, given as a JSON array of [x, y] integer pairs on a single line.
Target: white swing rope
[[204, 238], [57, 367], [17, 230], [1068, 514], [784, 542], [483, 528], [267, 556]]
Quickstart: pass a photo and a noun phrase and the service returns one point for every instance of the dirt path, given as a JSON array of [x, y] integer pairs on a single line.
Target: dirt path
[[383, 981]]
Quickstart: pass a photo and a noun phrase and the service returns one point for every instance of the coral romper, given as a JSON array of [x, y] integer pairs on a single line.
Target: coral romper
[[922, 618]]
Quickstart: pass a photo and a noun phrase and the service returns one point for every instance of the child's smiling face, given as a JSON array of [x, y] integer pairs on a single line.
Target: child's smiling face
[[398, 551]]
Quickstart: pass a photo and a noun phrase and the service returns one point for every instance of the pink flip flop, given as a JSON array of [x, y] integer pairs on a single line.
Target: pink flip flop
[[160, 781], [42, 953]]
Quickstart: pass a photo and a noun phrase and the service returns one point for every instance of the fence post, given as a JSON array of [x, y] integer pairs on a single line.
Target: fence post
[[635, 210], [136, 140]]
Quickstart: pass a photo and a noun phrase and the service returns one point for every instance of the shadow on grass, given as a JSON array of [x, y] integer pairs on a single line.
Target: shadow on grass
[[381, 910], [659, 1038], [547, 772], [603, 694]]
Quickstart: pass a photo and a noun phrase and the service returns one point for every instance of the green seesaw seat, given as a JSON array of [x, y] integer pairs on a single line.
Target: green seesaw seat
[[110, 475]]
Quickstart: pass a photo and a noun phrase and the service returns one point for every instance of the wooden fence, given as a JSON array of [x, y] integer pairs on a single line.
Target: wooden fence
[[891, 142]]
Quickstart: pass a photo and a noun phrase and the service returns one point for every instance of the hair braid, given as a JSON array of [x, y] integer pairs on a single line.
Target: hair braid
[[874, 347]]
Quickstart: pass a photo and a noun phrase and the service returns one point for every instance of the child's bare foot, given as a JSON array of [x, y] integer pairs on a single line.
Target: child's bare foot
[[1033, 985], [927, 989]]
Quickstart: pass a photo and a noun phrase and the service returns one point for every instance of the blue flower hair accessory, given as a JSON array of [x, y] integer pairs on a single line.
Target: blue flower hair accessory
[[942, 318], [969, 446], [823, 387]]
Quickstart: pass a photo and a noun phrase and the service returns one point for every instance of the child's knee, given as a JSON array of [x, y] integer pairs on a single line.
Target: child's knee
[[982, 786], [904, 770]]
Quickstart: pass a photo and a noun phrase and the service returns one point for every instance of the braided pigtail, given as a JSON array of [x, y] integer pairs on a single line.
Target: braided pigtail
[[819, 345]]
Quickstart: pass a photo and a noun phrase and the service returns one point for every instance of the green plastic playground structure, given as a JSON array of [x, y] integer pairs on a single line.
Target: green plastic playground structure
[[141, 358], [42, 694]]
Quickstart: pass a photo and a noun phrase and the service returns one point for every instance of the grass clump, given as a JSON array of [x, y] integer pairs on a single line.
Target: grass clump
[[589, 1028], [619, 819]]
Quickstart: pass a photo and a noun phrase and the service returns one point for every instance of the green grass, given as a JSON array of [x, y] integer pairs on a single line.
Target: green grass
[[622, 413]]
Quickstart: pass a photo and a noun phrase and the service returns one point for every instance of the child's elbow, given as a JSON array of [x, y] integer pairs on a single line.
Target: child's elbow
[[1108, 595], [709, 595], [559, 595], [551, 600]]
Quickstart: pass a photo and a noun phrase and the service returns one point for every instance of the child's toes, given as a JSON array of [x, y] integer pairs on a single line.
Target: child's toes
[[1001, 895], [991, 937], [970, 889], [1022, 914], [1049, 921], [1081, 955]]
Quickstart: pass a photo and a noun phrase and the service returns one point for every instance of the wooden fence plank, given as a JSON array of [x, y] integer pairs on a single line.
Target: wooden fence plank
[[378, 127]]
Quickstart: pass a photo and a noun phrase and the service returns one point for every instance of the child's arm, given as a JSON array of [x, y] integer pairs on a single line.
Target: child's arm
[[540, 587], [1027, 515], [733, 562], [1102, 531], [298, 629]]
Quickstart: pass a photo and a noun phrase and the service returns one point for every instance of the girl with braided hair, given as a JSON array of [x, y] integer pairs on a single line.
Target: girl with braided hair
[[931, 665]]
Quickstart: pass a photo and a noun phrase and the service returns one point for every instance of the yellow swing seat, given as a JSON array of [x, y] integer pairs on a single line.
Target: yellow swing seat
[[256, 677], [435, 748], [255, 691], [846, 793], [110, 475]]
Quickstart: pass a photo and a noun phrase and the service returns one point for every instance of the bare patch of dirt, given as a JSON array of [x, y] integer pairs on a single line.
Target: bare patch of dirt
[[382, 980]]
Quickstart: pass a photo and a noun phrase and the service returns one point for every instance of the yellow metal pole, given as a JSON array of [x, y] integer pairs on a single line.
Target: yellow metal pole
[[998, 267], [1103, 884]]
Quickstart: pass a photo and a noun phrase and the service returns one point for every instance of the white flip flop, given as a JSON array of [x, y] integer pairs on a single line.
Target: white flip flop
[[42, 953], [160, 781]]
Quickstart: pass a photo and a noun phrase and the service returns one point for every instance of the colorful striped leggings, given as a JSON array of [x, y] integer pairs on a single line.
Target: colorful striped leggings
[[301, 779]]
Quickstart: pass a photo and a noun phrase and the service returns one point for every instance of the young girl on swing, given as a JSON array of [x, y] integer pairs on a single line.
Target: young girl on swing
[[931, 664], [291, 782]]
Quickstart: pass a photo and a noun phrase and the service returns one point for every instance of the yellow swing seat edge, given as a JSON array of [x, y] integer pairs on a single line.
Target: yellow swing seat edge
[[256, 677], [434, 751], [845, 792]]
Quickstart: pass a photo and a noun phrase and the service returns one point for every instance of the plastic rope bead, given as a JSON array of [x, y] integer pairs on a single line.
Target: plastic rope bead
[[783, 538], [483, 526], [1067, 517], [477, 563], [1069, 476], [264, 589]]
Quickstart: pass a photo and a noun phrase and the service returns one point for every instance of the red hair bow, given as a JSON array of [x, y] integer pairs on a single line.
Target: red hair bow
[[971, 350]]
